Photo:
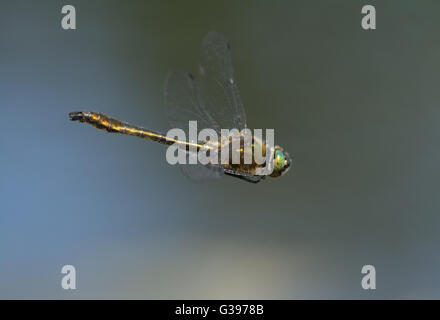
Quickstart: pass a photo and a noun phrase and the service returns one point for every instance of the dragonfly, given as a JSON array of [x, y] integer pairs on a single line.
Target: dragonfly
[[212, 99]]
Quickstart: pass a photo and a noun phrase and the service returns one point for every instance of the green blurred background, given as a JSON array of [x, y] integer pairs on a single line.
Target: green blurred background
[[357, 109]]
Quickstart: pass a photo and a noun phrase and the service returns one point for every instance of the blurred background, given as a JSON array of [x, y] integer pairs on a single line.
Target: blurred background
[[357, 109]]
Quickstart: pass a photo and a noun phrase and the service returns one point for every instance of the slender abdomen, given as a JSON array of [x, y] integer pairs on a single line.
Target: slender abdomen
[[104, 122]]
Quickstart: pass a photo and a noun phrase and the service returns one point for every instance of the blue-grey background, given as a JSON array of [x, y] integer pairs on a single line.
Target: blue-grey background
[[358, 110]]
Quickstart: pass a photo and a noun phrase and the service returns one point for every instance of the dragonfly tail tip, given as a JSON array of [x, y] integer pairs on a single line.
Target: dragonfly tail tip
[[76, 116]]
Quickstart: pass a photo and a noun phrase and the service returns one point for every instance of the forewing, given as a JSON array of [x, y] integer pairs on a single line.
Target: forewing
[[212, 99], [217, 90]]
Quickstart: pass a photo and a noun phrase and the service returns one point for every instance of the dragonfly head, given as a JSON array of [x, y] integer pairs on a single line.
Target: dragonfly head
[[281, 162]]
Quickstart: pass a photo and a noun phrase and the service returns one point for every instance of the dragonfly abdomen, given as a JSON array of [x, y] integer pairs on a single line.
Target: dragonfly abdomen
[[104, 122]]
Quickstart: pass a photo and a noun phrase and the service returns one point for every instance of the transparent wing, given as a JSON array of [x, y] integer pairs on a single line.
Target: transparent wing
[[200, 173], [182, 105], [181, 102], [216, 88], [212, 99]]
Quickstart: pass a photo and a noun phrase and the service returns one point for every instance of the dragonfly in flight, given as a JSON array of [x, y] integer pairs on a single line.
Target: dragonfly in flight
[[211, 99]]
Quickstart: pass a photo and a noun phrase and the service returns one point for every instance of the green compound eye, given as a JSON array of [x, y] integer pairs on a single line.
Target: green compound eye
[[278, 160], [281, 162]]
